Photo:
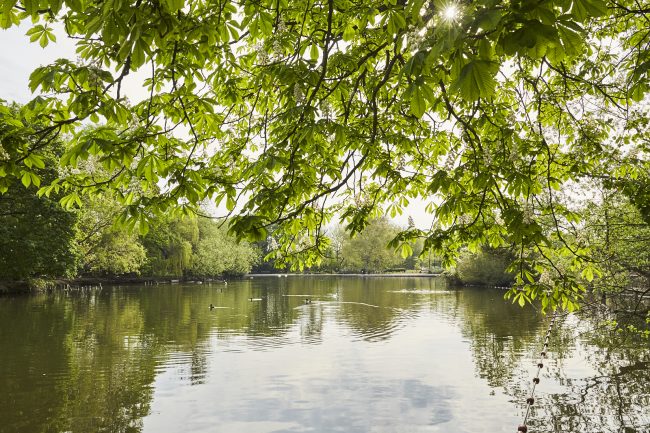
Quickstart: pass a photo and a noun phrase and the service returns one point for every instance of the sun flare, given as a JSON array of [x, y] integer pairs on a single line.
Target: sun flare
[[450, 12]]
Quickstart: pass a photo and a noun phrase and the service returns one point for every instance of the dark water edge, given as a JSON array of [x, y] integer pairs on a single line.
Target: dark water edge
[[55, 284], [42, 285]]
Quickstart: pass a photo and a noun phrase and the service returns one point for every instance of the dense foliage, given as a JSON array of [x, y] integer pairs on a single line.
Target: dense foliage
[[218, 253], [620, 239], [169, 243], [485, 268], [369, 251], [107, 249], [37, 236], [291, 113]]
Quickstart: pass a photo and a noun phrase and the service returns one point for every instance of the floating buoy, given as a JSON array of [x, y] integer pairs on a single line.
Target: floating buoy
[[531, 400]]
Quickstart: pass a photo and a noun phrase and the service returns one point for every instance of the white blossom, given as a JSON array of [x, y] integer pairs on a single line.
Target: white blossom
[[297, 93], [546, 278], [262, 55], [528, 212], [278, 51]]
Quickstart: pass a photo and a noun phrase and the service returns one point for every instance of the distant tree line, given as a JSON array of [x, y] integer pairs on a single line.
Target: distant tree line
[[40, 239], [367, 252]]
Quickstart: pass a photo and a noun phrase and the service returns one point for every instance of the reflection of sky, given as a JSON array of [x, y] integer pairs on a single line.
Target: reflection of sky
[[442, 363], [419, 380]]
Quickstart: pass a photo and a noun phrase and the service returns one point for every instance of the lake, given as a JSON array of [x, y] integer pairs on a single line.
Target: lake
[[364, 354]]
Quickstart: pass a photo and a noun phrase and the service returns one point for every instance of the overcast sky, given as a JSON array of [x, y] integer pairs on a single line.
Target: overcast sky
[[19, 57]]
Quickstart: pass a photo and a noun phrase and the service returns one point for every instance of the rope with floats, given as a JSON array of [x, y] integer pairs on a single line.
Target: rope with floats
[[523, 428]]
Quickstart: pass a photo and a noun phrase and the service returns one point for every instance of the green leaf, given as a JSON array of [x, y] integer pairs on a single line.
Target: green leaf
[[588, 274], [68, 201], [34, 160], [485, 50], [488, 19], [36, 180], [572, 39], [313, 52], [7, 15], [533, 39], [418, 102], [138, 55], [31, 6], [174, 5], [348, 32], [638, 91], [143, 225], [230, 203], [545, 302], [44, 40], [476, 79], [407, 251], [396, 22], [35, 32], [529, 276], [26, 178], [585, 9], [416, 7]]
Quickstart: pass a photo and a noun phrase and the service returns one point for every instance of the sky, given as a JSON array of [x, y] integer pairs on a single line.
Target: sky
[[19, 57]]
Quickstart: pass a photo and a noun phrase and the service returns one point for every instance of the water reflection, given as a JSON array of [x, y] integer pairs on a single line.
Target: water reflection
[[365, 355]]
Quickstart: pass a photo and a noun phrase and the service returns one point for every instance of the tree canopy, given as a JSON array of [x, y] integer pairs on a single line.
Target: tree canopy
[[294, 113], [37, 236]]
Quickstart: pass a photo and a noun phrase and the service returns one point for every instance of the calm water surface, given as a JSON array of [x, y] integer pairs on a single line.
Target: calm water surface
[[366, 355]]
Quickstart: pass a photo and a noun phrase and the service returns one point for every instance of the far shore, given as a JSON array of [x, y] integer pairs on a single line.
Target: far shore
[[52, 284], [387, 274]]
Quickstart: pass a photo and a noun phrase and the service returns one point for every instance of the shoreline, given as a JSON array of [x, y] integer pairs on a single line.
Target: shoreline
[[387, 274], [40, 285]]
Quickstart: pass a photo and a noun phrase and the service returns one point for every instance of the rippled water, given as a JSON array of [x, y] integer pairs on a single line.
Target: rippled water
[[365, 355]]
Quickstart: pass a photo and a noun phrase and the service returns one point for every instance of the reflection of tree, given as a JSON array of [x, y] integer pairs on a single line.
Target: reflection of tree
[[112, 365], [29, 357], [311, 324], [199, 368], [371, 323], [98, 352], [506, 339], [614, 399], [173, 314], [87, 362], [499, 332], [81, 365]]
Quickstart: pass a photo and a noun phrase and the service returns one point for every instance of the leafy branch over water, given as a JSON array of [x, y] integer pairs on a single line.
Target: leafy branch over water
[[295, 113]]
